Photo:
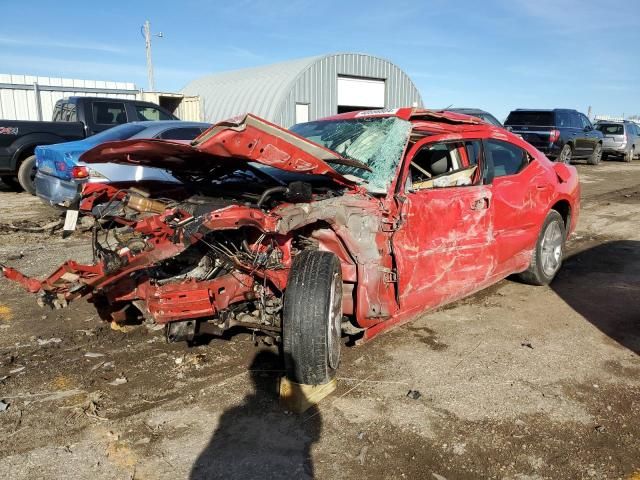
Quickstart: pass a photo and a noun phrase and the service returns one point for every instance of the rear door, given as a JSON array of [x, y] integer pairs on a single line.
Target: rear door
[[521, 191], [590, 135], [578, 136], [444, 245], [101, 115]]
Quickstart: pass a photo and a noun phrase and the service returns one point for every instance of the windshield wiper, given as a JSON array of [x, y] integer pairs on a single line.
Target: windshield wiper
[[350, 162]]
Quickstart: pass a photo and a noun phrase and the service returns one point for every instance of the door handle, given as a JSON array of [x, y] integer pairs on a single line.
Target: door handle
[[480, 204]]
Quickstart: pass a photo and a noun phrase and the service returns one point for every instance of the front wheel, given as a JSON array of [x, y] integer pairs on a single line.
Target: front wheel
[[596, 156], [548, 253], [312, 318], [27, 174]]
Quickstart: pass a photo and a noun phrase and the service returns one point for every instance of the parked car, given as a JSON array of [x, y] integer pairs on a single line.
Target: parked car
[[621, 139], [327, 228], [73, 118], [60, 175], [481, 114], [561, 134]]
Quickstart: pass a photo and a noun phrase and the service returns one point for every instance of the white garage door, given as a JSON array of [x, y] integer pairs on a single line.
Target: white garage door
[[360, 92]]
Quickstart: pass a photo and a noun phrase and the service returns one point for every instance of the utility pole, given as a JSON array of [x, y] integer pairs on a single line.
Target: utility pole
[[146, 33]]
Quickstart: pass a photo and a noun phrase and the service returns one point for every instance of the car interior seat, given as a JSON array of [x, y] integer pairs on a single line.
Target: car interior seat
[[104, 117], [121, 118]]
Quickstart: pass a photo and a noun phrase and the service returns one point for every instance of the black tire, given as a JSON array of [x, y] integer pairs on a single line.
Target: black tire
[[628, 156], [565, 154], [27, 174], [605, 156], [596, 155], [10, 181], [312, 317], [537, 273]]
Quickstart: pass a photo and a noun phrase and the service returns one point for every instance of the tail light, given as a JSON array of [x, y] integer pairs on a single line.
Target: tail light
[[79, 172], [554, 135]]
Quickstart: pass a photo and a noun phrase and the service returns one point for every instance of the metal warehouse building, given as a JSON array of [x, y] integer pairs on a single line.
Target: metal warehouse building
[[305, 89]]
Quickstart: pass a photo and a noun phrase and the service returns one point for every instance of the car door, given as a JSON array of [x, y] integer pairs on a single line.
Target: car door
[[577, 135], [521, 191], [590, 134], [443, 247]]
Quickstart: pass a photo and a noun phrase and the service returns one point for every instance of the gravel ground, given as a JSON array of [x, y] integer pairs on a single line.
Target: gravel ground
[[516, 382]]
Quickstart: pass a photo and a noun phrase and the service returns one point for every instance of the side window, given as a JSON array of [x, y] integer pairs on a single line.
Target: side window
[[507, 159], [563, 120], [585, 122], [575, 120], [443, 165], [109, 113], [146, 113], [183, 133]]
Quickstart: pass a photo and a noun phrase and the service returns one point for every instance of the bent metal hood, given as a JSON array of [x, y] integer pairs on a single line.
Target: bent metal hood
[[247, 138]]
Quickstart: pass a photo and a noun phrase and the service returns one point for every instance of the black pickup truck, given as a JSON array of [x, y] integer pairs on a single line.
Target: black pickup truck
[[73, 118], [561, 134]]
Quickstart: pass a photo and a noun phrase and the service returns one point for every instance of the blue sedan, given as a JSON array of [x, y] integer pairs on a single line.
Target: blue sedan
[[60, 175]]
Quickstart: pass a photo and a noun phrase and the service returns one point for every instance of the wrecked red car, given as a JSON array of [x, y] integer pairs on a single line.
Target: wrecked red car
[[346, 225]]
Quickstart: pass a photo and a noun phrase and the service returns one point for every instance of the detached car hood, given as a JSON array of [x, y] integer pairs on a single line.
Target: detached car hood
[[248, 138]]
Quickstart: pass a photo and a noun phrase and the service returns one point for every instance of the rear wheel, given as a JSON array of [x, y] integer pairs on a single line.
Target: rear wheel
[[312, 318], [10, 181], [596, 156], [565, 154], [549, 251], [628, 156], [27, 174]]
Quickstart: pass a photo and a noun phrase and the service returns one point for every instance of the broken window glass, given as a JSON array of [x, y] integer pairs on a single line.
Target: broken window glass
[[376, 142]]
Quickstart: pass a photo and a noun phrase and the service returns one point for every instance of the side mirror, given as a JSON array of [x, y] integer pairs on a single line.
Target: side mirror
[[588, 128]]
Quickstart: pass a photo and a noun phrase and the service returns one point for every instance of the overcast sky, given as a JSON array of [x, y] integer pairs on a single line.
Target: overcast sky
[[492, 54]]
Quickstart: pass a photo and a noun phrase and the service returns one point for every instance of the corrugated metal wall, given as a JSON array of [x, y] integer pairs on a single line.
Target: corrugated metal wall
[[272, 91], [19, 94], [318, 85]]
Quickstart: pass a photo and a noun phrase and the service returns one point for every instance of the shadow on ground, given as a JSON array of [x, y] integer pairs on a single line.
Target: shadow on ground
[[257, 439], [602, 283]]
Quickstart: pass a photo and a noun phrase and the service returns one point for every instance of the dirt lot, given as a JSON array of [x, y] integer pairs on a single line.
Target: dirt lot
[[517, 382]]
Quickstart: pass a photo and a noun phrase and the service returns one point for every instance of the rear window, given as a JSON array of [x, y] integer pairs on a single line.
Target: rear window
[[610, 128], [121, 132], [182, 133], [65, 112], [543, 119]]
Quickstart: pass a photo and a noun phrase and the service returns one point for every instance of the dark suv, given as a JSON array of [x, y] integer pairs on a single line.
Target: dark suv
[[561, 134]]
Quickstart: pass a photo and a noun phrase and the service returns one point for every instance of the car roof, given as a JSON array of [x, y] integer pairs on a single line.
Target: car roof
[[544, 110], [165, 123], [613, 121], [154, 127]]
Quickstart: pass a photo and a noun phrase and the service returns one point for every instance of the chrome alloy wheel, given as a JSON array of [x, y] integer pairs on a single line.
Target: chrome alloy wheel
[[551, 249]]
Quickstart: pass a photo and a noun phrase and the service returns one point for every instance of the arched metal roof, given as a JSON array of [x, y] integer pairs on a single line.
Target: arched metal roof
[[271, 91]]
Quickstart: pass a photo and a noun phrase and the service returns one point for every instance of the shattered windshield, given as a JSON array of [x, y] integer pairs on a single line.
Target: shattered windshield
[[376, 142]]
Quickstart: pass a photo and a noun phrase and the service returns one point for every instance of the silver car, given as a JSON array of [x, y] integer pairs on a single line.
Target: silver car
[[621, 139]]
